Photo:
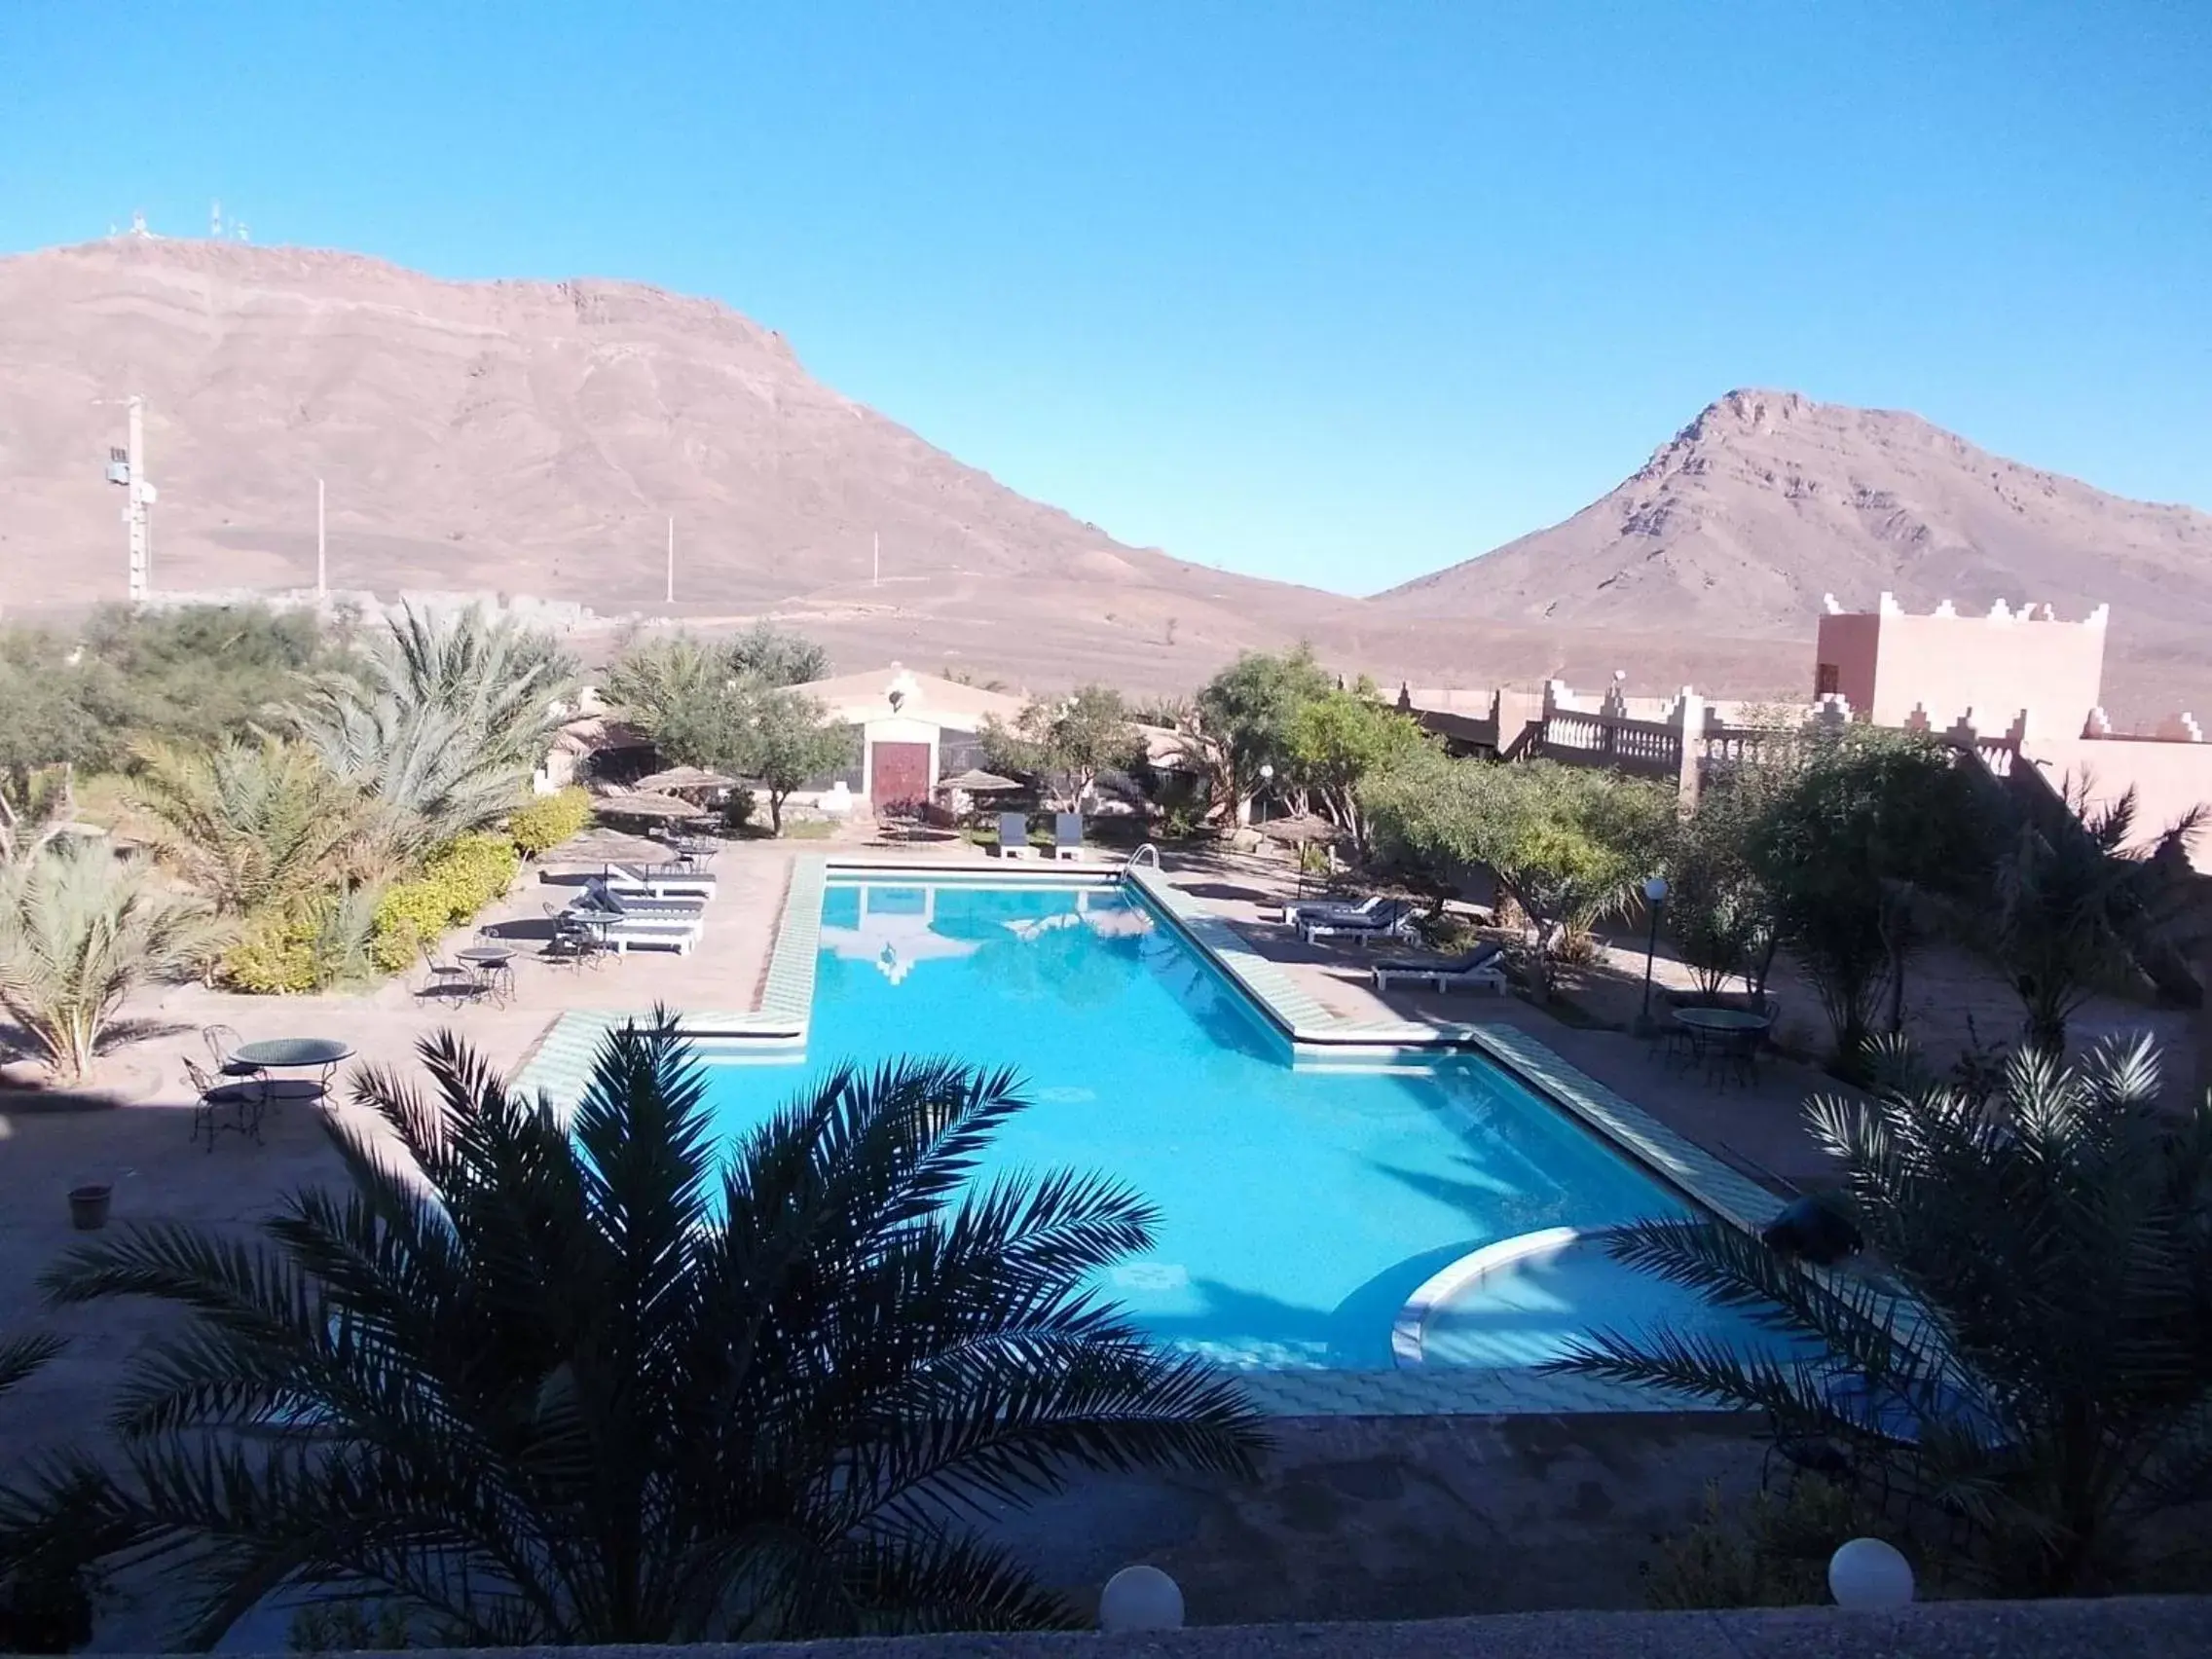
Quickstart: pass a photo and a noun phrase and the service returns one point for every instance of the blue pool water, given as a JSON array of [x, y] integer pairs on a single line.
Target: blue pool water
[[1298, 1207]]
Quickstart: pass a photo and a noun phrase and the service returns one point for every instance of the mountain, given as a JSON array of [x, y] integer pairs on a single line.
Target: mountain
[[1768, 501], [536, 437], [533, 437]]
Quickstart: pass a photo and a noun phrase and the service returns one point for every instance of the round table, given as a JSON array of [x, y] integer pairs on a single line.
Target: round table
[[1721, 1020], [1725, 1038], [494, 966], [324, 1054]]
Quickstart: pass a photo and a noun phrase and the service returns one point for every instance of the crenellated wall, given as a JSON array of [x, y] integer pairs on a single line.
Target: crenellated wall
[[1904, 669]]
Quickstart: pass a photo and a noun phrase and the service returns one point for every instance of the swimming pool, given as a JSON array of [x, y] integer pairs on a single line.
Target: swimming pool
[[1301, 1204]]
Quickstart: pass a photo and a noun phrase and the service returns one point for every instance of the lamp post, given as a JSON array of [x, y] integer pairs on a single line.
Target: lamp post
[[1654, 895], [1266, 783]]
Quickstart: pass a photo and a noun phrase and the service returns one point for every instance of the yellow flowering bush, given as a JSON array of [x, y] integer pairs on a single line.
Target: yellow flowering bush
[[456, 882], [549, 820]]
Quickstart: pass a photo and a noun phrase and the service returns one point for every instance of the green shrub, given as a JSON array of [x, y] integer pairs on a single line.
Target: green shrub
[[276, 954], [349, 1627], [1765, 1550], [455, 883], [303, 944], [549, 820]]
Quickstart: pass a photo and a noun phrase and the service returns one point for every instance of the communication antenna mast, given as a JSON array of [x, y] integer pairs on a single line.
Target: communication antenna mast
[[138, 222], [215, 218], [127, 467]]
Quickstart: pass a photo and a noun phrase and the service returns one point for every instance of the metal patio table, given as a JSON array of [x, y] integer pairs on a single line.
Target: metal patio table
[[494, 966], [1725, 1039], [323, 1056]]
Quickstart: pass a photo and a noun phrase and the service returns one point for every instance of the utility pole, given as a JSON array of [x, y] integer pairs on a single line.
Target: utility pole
[[127, 467], [671, 561], [322, 548]]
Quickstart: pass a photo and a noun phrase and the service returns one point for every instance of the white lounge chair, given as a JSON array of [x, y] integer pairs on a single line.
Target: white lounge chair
[[1013, 834], [1067, 835], [598, 894], [1387, 921], [1484, 967], [624, 933], [660, 881], [1331, 910]]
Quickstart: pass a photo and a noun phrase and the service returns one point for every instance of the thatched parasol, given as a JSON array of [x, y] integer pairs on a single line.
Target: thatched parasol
[[637, 803], [1300, 829], [974, 781], [680, 778]]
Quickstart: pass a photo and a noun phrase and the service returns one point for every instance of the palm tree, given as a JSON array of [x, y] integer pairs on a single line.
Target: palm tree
[[20, 1356], [2077, 911], [79, 932], [2042, 1365], [543, 1381], [45, 1602], [442, 721], [255, 824]]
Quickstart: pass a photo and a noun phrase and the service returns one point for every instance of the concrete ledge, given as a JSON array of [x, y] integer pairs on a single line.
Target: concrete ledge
[[2177, 1627]]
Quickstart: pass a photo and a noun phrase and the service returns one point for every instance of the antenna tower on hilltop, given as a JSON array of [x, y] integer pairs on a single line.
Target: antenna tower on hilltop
[[215, 218]]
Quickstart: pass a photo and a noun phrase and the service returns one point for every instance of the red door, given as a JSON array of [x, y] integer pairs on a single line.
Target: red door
[[899, 776]]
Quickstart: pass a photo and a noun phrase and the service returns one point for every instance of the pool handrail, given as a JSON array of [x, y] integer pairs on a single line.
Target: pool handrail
[[1130, 862]]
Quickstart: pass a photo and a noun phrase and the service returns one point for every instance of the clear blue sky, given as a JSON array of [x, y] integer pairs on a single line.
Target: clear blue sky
[[1334, 294]]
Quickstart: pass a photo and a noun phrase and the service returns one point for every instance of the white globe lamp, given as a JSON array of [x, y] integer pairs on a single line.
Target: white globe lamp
[[1140, 1598], [1867, 1574]]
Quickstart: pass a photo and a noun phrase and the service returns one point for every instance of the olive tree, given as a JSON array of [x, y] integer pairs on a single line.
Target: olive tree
[[1569, 845], [1339, 739], [1067, 741]]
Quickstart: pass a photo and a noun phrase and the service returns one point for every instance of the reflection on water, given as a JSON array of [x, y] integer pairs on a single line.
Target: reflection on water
[[892, 929]]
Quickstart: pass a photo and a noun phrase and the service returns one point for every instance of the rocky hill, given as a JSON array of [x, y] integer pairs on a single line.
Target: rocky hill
[[536, 437], [527, 437], [1768, 501]]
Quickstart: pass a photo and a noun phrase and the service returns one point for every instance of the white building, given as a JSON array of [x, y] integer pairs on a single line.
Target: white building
[[915, 728]]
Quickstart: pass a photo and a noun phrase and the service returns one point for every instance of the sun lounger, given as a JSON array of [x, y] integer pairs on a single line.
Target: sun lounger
[[1013, 834], [1484, 967], [1386, 922], [623, 934], [660, 881], [1331, 910], [608, 901], [1067, 835]]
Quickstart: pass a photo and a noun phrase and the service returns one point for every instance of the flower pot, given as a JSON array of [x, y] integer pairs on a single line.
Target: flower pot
[[89, 1206]]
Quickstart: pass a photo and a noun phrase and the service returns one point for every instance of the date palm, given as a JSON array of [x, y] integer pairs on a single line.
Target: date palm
[[541, 1381], [2079, 909], [2040, 1361], [79, 930], [20, 1356], [441, 719], [251, 824]]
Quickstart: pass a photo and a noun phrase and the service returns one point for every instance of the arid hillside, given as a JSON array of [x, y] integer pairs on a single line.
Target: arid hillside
[[1768, 501], [520, 437], [536, 437]]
